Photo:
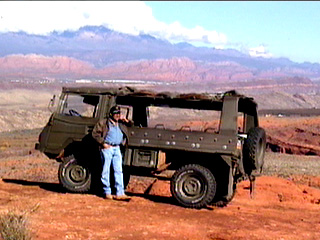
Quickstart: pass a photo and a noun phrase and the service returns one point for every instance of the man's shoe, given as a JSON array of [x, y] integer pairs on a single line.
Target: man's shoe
[[122, 198], [108, 197]]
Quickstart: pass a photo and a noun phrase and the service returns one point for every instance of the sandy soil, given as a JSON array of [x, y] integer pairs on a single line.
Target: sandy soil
[[283, 208]]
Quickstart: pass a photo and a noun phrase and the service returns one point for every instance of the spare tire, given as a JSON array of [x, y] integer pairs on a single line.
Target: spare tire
[[254, 150]]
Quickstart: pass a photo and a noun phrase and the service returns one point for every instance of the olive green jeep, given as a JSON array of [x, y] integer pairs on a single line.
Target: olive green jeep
[[204, 143]]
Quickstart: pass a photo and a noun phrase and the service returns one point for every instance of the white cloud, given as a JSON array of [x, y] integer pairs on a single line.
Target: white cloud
[[176, 32], [259, 51], [132, 17]]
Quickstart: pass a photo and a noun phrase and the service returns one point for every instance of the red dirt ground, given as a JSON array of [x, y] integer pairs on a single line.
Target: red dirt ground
[[282, 209]]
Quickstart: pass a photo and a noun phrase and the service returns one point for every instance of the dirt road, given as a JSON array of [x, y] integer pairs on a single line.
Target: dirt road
[[282, 209]]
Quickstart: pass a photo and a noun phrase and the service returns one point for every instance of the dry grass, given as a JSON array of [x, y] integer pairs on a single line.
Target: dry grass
[[285, 165], [13, 226]]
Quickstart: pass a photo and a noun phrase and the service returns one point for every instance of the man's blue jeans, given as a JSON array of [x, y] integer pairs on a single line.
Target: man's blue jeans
[[112, 155]]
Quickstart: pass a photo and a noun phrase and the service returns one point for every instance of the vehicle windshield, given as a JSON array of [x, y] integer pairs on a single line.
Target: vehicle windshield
[[79, 105]]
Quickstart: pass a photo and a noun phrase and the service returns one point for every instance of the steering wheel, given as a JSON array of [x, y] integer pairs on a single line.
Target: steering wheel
[[74, 113]]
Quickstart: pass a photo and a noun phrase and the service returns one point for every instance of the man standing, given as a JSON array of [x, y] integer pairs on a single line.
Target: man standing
[[110, 133]]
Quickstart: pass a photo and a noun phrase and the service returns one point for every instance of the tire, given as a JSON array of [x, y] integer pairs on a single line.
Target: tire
[[254, 150], [193, 186], [222, 202], [73, 176]]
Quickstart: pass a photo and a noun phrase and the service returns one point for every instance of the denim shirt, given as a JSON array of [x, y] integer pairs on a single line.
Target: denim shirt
[[115, 135]]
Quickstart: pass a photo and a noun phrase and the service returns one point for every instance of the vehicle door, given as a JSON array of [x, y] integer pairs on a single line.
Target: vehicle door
[[75, 117]]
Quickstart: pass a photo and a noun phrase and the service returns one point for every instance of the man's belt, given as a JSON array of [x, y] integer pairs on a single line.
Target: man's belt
[[112, 144]]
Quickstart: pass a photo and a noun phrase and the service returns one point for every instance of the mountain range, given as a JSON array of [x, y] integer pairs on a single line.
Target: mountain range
[[96, 52]]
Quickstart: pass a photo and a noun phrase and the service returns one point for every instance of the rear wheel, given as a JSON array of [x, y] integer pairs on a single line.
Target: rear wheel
[[223, 201], [193, 186], [73, 176]]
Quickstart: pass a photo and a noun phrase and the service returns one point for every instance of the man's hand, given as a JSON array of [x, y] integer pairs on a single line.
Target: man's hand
[[106, 146], [124, 120]]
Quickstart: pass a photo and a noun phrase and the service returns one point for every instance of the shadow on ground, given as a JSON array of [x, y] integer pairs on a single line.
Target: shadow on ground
[[53, 187], [57, 188]]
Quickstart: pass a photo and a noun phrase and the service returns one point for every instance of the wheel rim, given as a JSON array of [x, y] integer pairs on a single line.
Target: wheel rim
[[192, 186], [76, 174]]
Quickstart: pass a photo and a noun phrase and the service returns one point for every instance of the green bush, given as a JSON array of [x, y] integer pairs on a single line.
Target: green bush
[[13, 226]]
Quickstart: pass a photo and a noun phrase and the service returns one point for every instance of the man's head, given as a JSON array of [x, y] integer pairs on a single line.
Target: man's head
[[115, 113]]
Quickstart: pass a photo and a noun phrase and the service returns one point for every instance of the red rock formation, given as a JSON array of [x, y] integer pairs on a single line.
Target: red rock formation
[[176, 69], [294, 135], [38, 65]]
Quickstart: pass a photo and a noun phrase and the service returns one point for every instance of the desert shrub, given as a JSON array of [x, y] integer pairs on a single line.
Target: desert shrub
[[13, 226]]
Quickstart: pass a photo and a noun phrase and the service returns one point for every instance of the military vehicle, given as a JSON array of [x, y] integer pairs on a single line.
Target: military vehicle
[[206, 161]]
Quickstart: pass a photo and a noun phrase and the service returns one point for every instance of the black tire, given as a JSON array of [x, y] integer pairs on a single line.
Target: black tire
[[73, 176], [193, 186], [222, 202], [254, 150]]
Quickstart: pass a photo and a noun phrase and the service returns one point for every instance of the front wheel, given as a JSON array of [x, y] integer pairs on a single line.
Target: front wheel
[[73, 176], [193, 186]]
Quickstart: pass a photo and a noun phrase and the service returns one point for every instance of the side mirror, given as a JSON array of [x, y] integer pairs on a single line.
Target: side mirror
[[51, 103]]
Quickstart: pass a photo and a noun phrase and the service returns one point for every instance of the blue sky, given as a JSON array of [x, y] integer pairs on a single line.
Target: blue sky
[[269, 29], [284, 29]]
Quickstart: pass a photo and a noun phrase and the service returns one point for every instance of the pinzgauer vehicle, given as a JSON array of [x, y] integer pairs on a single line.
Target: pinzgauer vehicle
[[209, 142]]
